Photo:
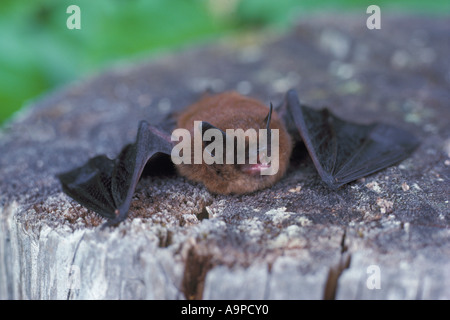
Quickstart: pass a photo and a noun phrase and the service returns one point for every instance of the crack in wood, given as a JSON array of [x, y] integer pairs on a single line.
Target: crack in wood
[[197, 266], [336, 271]]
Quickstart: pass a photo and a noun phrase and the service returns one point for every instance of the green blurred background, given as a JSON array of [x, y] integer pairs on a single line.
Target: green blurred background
[[38, 53]]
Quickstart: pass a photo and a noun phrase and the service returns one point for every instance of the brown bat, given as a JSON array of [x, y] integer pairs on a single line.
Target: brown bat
[[341, 151], [225, 112]]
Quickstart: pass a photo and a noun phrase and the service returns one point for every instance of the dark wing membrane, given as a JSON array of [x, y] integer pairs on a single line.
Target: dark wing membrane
[[384, 146], [343, 151], [90, 185], [106, 186], [131, 162]]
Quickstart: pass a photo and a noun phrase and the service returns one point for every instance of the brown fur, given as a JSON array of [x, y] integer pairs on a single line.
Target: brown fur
[[231, 110]]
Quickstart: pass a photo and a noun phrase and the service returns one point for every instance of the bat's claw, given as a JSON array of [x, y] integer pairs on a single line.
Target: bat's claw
[[114, 222]]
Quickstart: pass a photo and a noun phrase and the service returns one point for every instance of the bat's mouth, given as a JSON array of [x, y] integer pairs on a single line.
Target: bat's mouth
[[254, 169]]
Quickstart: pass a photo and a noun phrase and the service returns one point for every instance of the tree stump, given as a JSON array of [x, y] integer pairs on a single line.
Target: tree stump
[[382, 237]]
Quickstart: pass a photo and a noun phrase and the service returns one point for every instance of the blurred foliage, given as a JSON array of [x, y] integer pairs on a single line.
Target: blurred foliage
[[38, 52]]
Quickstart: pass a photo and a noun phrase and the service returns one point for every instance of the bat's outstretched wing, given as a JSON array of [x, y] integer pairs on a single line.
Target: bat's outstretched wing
[[343, 151], [106, 186]]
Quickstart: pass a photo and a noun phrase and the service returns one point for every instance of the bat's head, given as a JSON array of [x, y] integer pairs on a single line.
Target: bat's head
[[244, 147]]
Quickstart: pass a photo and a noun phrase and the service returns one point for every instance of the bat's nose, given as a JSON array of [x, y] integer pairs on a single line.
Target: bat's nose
[[254, 169]]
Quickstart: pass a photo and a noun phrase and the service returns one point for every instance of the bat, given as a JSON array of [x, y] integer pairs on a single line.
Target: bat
[[341, 151]]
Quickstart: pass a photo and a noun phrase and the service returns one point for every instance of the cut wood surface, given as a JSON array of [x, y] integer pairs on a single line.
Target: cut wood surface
[[382, 237]]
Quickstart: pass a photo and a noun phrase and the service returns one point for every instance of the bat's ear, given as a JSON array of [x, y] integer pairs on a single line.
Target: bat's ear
[[268, 117], [205, 126], [269, 135]]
